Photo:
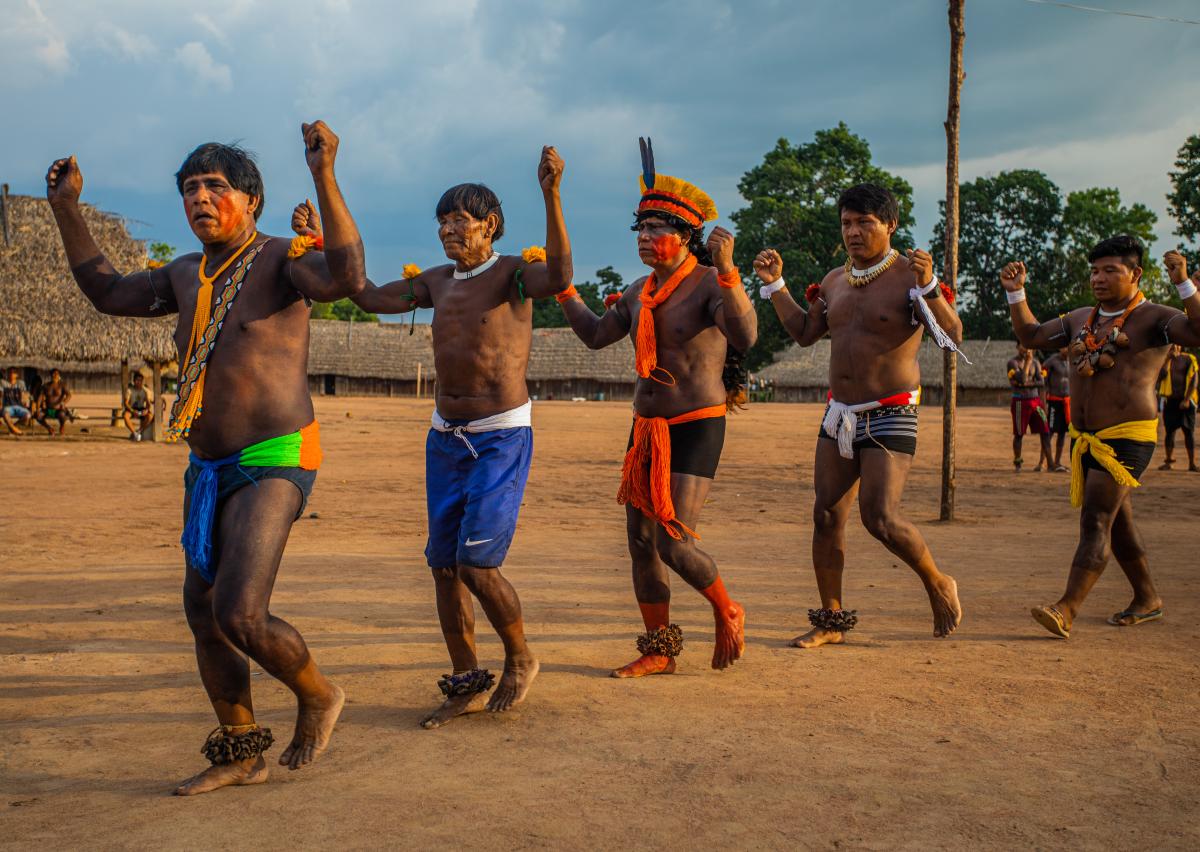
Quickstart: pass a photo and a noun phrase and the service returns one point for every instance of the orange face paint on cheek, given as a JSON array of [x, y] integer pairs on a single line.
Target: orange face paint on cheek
[[666, 247], [229, 216]]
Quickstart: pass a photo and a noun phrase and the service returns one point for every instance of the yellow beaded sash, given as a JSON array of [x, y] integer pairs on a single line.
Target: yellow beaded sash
[[206, 325]]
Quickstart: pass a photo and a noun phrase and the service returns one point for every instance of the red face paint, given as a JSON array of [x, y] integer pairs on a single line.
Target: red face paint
[[229, 215], [666, 247]]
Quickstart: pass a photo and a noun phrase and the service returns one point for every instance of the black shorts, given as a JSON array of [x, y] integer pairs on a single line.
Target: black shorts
[[1176, 418], [695, 446], [1060, 415], [890, 427], [234, 478], [1134, 456]]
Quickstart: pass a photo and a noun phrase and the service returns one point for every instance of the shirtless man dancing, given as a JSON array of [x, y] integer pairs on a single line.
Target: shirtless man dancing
[[477, 454], [1116, 349], [242, 334], [873, 309], [1177, 391], [691, 321]]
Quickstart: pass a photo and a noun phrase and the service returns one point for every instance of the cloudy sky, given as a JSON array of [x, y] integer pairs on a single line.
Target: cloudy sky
[[426, 94]]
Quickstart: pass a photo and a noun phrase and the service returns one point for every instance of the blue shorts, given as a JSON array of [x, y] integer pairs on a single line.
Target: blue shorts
[[474, 502], [17, 412]]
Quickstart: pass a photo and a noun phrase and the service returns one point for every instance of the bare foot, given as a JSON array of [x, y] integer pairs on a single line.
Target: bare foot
[[514, 684], [314, 726], [947, 611], [1167, 465], [817, 637], [731, 636], [647, 664], [236, 774], [455, 705], [1193, 469]]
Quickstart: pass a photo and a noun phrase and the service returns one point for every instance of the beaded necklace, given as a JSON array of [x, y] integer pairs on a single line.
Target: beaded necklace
[[863, 277], [1092, 352]]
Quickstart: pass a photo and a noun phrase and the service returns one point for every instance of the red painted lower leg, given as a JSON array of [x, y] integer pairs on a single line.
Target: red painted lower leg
[[654, 616], [731, 625]]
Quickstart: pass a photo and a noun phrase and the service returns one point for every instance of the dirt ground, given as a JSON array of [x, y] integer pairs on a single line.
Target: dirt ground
[[999, 737]]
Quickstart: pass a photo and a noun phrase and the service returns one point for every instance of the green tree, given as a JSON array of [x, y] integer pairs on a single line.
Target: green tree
[[547, 313], [1015, 215], [342, 309], [792, 207], [1183, 201], [161, 253], [1092, 215]]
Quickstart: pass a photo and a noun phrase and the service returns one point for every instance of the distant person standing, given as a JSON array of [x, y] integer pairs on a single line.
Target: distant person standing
[[1177, 396], [1028, 406], [14, 405], [1058, 401], [138, 404]]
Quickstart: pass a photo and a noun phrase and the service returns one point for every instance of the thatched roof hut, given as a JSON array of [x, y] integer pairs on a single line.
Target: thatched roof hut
[[802, 374], [44, 319]]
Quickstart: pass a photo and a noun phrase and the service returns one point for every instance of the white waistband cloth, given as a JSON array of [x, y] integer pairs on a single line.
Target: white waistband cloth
[[841, 420], [511, 419]]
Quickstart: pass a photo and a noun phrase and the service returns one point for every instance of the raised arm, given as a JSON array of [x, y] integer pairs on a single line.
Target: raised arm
[[596, 332], [921, 264], [1029, 331], [146, 293], [554, 276], [339, 270], [1184, 331], [804, 327], [732, 309]]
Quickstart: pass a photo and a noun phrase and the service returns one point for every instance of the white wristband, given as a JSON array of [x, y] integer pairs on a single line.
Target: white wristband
[[1015, 296], [928, 288], [767, 290], [1187, 289]]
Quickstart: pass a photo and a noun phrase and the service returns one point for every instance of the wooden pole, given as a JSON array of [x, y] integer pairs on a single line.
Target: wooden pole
[[124, 387], [418, 380], [4, 210], [156, 384], [950, 272]]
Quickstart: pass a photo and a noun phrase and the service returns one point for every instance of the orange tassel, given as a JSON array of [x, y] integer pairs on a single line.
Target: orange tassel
[[646, 349]]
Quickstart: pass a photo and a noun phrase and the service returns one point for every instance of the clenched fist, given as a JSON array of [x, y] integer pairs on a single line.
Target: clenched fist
[[550, 169], [1012, 276], [921, 265], [720, 246], [1176, 265], [320, 146], [305, 220], [768, 266], [64, 182]]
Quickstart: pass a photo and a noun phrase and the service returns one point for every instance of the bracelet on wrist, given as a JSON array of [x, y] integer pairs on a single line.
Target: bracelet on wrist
[[1187, 289], [729, 280], [566, 295], [1015, 296], [766, 291]]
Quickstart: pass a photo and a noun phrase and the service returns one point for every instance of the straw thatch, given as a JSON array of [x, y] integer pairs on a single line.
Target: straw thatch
[[44, 318], [803, 373], [388, 351]]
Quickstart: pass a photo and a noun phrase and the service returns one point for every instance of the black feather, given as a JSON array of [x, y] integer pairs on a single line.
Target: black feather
[[647, 161]]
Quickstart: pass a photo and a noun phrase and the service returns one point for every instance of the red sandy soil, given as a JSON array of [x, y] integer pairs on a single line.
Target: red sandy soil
[[1000, 736]]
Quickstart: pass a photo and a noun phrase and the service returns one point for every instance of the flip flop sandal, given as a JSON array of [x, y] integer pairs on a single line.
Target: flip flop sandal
[[1050, 618], [1117, 618]]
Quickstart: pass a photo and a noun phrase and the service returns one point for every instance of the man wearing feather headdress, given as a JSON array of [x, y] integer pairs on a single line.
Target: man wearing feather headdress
[[691, 322]]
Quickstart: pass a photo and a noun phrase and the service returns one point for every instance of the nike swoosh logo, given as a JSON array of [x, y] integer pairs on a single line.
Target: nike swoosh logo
[[470, 543]]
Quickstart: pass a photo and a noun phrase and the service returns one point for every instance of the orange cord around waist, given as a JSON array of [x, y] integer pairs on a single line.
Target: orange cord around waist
[[646, 474]]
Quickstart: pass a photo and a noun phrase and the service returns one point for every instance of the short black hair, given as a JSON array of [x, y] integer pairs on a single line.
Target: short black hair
[[872, 199], [1124, 246], [474, 199], [233, 161]]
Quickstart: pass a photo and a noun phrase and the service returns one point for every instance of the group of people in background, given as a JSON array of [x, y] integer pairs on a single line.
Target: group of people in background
[[43, 402], [1041, 405]]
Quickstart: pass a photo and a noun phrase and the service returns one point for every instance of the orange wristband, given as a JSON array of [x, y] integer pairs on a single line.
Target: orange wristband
[[730, 279], [566, 295]]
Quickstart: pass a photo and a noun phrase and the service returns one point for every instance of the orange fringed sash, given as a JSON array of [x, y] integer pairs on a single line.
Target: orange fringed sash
[[207, 322], [646, 474], [646, 345]]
